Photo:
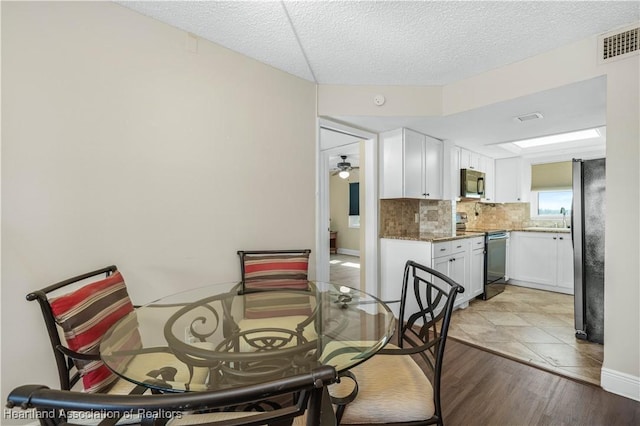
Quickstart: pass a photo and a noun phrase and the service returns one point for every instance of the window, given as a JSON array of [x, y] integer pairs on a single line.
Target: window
[[551, 203], [354, 205]]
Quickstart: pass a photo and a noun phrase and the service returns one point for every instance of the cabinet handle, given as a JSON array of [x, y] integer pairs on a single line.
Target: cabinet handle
[[426, 194], [562, 238], [458, 246], [443, 249], [554, 238]]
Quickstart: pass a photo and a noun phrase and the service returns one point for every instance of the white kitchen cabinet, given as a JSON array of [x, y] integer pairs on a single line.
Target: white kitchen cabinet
[[542, 260], [565, 262], [476, 268], [452, 259], [510, 181], [410, 166], [394, 255], [488, 167], [472, 160], [461, 259]]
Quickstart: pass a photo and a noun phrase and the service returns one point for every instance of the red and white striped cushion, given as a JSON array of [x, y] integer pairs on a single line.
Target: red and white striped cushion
[[85, 315], [279, 271], [276, 272]]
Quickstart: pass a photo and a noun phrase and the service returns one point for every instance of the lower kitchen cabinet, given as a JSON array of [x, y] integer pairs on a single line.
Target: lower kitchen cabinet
[[476, 268], [460, 259], [454, 264], [542, 260]]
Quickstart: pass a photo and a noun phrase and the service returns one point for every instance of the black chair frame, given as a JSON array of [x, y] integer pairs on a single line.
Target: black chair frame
[[158, 409], [424, 339], [64, 356]]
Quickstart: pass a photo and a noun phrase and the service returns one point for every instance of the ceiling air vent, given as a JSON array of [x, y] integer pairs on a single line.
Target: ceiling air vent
[[528, 117], [620, 44]]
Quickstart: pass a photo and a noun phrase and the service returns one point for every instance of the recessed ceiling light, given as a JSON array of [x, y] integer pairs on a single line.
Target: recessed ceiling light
[[562, 137]]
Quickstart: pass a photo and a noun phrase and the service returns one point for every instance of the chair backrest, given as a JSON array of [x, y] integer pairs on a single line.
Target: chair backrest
[[84, 307], [308, 387], [266, 270], [426, 306], [274, 269]]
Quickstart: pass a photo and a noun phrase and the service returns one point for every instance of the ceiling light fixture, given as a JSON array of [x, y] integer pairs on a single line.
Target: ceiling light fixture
[[559, 138], [344, 174]]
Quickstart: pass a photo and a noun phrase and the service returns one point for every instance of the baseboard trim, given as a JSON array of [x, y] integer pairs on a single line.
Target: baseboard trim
[[620, 383], [349, 252]]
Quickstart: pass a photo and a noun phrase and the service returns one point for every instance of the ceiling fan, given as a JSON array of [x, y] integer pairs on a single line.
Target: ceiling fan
[[343, 168]]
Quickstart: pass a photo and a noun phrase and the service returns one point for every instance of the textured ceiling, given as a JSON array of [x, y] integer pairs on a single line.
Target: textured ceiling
[[415, 43], [389, 42]]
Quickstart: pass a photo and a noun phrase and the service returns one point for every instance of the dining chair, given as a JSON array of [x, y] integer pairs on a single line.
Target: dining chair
[[284, 274], [202, 408], [392, 387], [77, 313]]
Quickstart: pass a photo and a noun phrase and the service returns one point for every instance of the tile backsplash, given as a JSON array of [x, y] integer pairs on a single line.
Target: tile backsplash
[[398, 217], [495, 215]]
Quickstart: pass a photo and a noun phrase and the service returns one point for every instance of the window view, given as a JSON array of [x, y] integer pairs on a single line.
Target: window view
[[552, 203], [354, 205]]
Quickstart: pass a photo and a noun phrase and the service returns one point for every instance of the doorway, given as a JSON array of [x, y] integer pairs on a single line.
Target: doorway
[[334, 138]]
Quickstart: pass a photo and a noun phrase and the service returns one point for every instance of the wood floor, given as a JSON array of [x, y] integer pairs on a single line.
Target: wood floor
[[480, 388]]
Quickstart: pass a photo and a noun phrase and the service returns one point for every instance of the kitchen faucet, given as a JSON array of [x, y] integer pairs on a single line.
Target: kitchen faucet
[[563, 212]]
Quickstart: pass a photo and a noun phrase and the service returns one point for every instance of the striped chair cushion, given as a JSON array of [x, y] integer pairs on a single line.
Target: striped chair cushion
[[85, 315], [276, 272]]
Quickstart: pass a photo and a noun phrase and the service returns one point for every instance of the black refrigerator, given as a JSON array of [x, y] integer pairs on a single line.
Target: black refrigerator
[[587, 232]]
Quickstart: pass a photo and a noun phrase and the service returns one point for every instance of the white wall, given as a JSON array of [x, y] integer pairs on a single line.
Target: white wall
[[121, 146], [566, 65]]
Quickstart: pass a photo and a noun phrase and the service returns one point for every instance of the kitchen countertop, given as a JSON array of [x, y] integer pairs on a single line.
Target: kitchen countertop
[[434, 238], [543, 229], [441, 237]]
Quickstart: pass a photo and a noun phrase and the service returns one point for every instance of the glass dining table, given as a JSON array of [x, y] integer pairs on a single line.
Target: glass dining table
[[218, 336]]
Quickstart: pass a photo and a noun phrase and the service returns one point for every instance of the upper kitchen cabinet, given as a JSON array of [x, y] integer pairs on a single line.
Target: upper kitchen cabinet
[[410, 166], [472, 160], [511, 181]]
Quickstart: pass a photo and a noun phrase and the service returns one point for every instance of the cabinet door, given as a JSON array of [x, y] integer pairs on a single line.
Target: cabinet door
[[469, 160], [433, 168], [414, 182], [458, 272], [393, 257], [508, 180], [391, 169], [565, 262], [488, 167], [533, 257], [476, 273]]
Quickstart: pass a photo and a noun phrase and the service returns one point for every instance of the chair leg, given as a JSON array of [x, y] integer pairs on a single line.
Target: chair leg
[[341, 403]]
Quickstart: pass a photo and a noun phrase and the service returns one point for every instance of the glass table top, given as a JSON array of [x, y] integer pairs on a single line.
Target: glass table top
[[217, 336]]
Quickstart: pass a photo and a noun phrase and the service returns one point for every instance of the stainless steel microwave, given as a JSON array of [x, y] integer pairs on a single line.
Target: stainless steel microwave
[[471, 184]]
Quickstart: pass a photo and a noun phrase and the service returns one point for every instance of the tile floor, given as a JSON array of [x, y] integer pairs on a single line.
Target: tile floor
[[533, 326]]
